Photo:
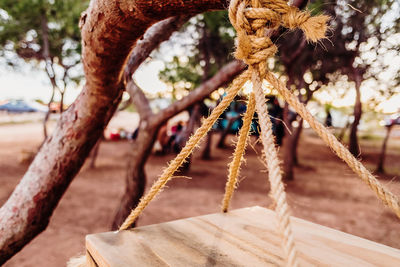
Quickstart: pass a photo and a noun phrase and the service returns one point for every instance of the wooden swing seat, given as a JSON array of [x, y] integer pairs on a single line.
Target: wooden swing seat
[[243, 237]]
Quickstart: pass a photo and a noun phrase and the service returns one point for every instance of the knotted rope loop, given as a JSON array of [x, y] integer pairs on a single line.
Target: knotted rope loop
[[252, 18]]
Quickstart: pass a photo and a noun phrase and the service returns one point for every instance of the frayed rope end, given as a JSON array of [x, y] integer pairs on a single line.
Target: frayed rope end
[[315, 27]]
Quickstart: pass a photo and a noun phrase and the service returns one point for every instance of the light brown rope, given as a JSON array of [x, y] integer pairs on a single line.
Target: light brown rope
[[381, 192], [275, 175], [251, 19], [237, 84], [234, 166]]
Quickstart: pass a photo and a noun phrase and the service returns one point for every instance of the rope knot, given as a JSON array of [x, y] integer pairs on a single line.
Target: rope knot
[[251, 19], [314, 28], [250, 23]]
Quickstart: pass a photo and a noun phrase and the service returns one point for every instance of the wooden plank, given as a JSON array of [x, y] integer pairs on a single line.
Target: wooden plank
[[244, 237]]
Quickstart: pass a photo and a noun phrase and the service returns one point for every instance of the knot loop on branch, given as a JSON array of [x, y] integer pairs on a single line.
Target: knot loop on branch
[[253, 18]]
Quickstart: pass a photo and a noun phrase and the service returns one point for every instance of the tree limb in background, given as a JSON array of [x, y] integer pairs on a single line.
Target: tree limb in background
[[110, 29]]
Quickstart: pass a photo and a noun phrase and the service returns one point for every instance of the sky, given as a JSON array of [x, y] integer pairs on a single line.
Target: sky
[[32, 84], [29, 84]]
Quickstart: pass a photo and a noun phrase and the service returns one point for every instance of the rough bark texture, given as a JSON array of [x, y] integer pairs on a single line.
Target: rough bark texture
[[110, 29]]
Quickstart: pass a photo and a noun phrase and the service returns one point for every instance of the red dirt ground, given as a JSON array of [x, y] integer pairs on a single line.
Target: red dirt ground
[[325, 191]]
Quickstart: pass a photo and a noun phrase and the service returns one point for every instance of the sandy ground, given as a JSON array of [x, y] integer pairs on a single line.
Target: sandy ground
[[325, 191]]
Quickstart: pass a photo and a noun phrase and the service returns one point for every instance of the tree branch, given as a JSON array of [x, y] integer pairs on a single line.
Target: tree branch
[[224, 76], [156, 34], [139, 100], [110, 30]]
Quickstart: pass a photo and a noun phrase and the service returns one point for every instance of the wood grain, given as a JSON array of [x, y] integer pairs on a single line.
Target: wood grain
[[244, 237]]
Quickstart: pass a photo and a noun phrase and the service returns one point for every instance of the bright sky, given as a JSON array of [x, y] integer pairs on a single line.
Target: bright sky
[[33, 84]]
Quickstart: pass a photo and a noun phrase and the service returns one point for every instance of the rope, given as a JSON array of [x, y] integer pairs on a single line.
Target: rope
[[251, 19], [237, 84], [381, 192], [234, 166], [275, 175]]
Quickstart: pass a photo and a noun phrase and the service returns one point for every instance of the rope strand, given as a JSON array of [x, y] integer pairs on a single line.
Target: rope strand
[[237, 84], [274, 174], [381, 192], [234, 166]]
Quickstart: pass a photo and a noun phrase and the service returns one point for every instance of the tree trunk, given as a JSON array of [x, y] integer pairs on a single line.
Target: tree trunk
[[225, 132], [353, 145], [190, 128], [47, 116], [62, 93], [381, 162], [146, 136], [110, 30], [93, 154], [136, 176], [295, 143], [288, 144], [206, 155], [343, 130]]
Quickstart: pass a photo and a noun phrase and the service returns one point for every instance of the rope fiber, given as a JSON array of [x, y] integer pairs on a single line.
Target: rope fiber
[[254, 20]]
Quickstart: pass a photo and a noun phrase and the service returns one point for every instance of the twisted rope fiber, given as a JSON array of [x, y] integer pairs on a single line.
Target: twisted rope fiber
[[250, 19], [237, 84], [342, 152], [234, 166], [275, 175]]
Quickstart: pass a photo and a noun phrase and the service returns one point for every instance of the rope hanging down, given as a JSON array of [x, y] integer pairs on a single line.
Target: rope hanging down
[[253, 21]]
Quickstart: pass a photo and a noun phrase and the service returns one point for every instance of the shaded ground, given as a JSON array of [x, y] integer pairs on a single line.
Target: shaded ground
[[325, 191]]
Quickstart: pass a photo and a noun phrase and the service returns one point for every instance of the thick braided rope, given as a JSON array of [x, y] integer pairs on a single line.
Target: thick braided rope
[[381, 192], [237, 84], [234, 166], [275, 175], [250, 19]]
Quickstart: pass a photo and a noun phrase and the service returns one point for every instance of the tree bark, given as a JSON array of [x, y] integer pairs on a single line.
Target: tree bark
[[381, 162], [149, 127], [225, 132], [287, 143], [343, 130], [93, 154], [136, 176], [296, 137], [206, 155], [353, 141], [110, 30]]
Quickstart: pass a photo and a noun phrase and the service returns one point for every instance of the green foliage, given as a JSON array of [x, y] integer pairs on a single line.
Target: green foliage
[[27, 25], [212, 47], [358, 39]]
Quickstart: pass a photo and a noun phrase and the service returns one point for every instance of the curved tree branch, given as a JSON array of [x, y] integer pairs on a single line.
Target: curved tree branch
[[110, 30], [224, 76]]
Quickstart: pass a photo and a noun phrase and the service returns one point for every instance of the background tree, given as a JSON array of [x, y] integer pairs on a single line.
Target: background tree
[[210, 48], [150, 122], [358, 23], [46, 34]]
